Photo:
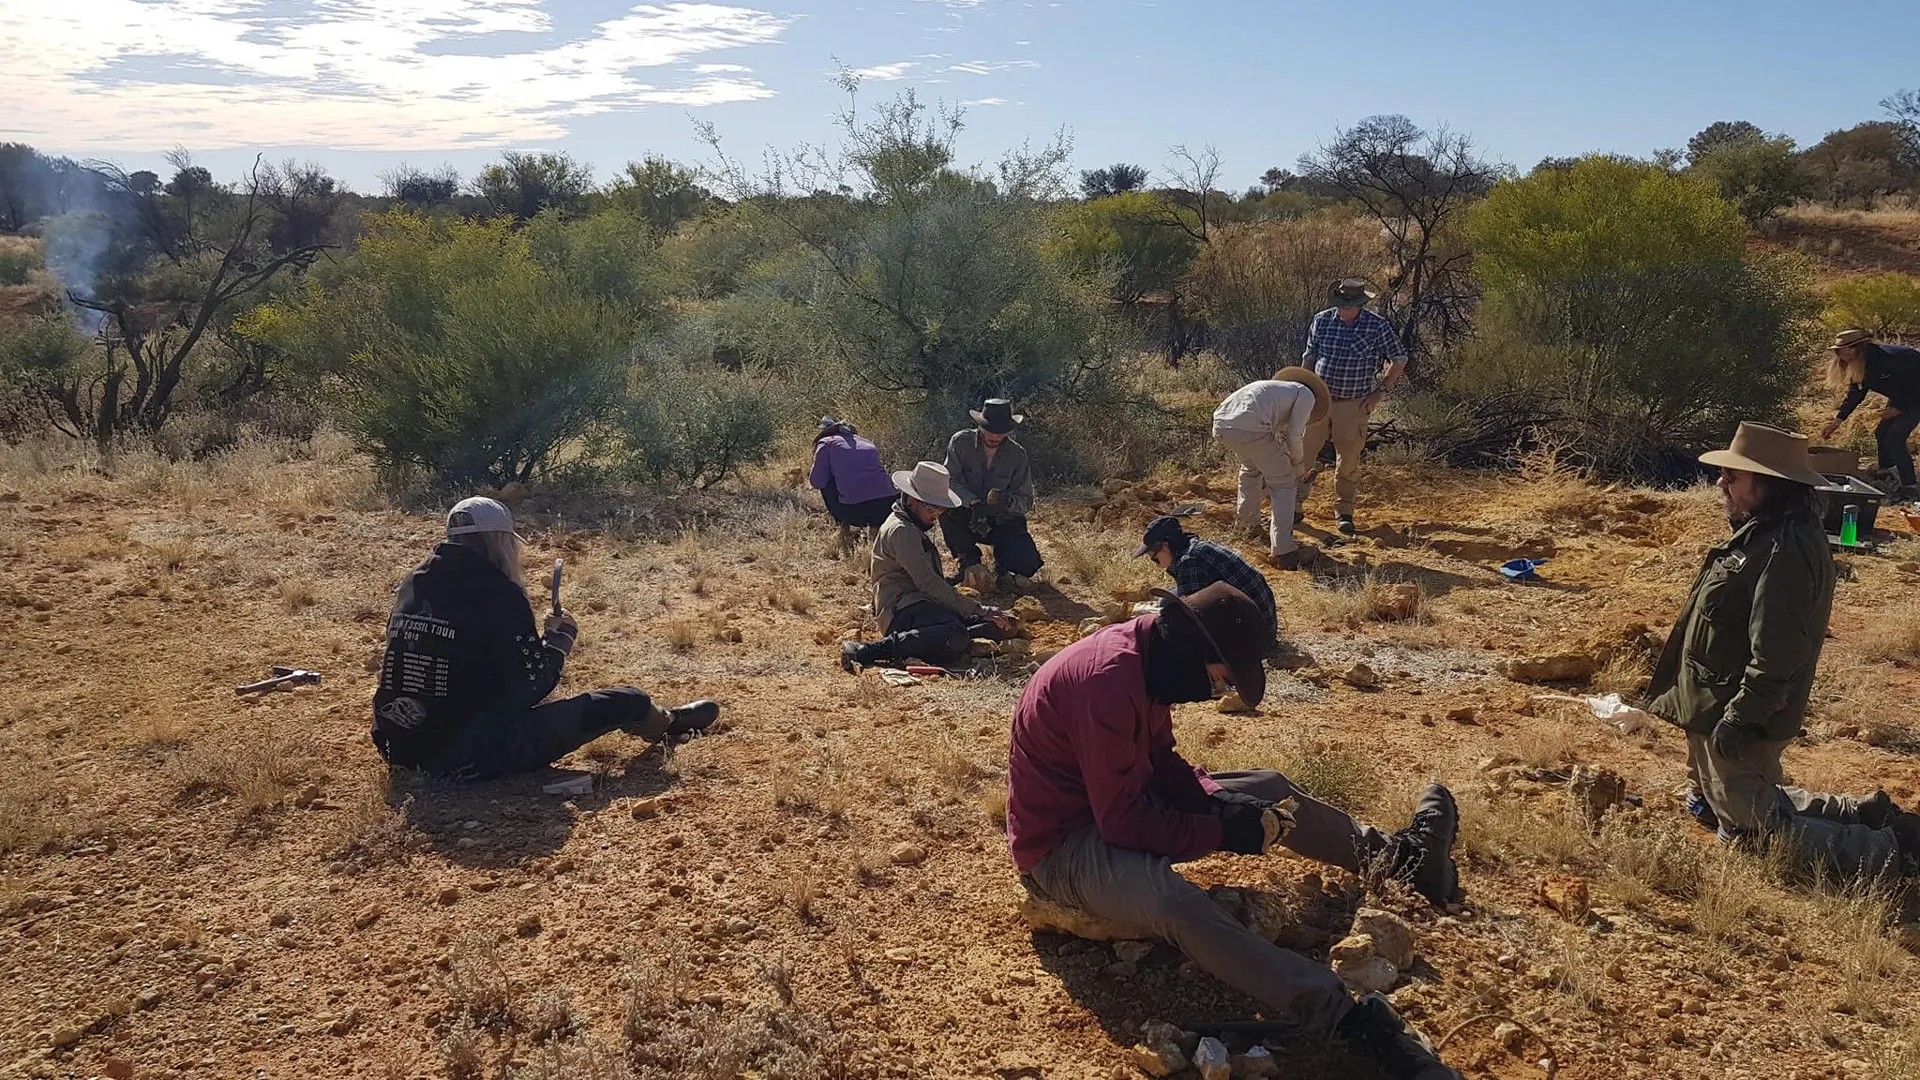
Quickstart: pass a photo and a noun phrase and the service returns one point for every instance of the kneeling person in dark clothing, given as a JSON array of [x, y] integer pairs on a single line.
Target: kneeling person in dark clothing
[[921, 614], [1194, 564], [464, 676]]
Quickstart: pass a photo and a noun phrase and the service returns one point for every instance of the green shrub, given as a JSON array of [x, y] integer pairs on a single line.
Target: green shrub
[[1258, 286], [1882, 304], [17, 264], [695, 426], [1760, 176]]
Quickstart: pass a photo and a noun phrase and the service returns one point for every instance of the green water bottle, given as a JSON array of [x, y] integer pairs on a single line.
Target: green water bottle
[[1850, 526]]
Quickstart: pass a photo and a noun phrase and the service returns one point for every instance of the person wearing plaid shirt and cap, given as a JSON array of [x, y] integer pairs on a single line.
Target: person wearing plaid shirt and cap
[[1347, 345], [1194, 564]]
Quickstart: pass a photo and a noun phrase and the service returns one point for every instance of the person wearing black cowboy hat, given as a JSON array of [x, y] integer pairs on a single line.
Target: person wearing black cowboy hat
[[921, 615], [1100, 805], [991, 473]]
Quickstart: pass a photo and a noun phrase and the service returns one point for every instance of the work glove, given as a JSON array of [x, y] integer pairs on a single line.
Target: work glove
[[993, 497], [1251, 830], [980, 525], [1728, 738], [560, 631]]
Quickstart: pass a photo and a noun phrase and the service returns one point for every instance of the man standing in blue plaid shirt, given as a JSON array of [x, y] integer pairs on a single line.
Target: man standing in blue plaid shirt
[[1347, 346], [1195, 564]]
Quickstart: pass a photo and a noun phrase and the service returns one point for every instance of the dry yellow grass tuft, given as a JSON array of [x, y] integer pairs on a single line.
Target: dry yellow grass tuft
[[297, 594], [1894, 634]]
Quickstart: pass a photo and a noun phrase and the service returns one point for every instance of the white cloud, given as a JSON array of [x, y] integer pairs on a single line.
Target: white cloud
[[988, 67], [138, 75], [885, 72], [987, 101]]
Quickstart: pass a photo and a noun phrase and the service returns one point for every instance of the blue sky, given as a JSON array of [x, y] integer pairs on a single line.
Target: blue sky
[[361, 85]]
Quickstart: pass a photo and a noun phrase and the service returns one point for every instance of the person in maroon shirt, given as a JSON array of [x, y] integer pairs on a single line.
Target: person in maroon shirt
[[1100, 805]]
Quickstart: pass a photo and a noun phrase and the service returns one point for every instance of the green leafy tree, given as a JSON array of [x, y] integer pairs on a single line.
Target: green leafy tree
[[1881, 304], [1861, 164], [452, 348], [1119, 179], [1761, 177], [521, 185], [659, 192], [1720, 133], [1603, 215], [1124, 241], [1623, 318], [1258, 286]]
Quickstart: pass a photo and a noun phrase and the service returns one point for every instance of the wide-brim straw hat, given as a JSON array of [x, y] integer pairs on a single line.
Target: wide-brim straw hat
[[1759, 448], [1850, 337], [1233, 627], [928, 481], [1322, 397]]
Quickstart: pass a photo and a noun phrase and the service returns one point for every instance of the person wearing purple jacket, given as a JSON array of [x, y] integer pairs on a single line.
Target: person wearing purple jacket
[[1100, 805], [856, 487]]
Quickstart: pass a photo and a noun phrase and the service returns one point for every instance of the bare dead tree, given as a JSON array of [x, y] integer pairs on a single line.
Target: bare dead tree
[[1191, 198], [213, 249], [1416, 184]]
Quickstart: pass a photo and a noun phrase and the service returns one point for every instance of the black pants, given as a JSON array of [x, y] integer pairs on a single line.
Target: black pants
[[928, 632], [1014, 551], [511, 741], [1891, 434], [861, 515]]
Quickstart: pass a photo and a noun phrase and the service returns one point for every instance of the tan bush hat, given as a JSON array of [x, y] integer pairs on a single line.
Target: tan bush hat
[[929, 483], [1759, 448], [1322, 397], [1351, 292], [1850, 337]]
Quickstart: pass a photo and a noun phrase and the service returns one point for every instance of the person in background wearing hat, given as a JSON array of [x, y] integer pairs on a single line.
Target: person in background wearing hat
[[1737, 670], [464, 676], [922, 616], [851, 481], [991, 473], [1264, 426], [1194, 564], [1893, 371], [1347, 345], [1100, 805]]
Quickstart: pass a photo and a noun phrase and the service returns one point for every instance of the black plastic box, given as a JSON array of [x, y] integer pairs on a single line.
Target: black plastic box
[[1840, 492]]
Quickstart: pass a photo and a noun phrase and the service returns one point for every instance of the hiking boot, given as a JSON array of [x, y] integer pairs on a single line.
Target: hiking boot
[[687, 721], [850, 661], [1421, 854], [1373, 1030], [1345, 525]]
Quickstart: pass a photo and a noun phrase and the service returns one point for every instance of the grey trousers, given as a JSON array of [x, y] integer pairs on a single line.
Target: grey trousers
[[1265, 471], [1136, 889], [1823, 832]]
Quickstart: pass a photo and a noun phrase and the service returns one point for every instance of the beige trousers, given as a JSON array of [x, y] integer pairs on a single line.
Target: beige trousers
[[1346, 424], [1265, 472]]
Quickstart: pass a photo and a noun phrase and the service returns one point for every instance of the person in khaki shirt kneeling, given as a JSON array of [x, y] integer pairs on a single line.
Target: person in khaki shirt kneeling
[[922, 616]]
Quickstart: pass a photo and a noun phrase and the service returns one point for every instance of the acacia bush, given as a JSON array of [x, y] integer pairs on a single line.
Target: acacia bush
[[1621, 317], [449, 348], [1258, 286], [696, 425], [1884, 305]]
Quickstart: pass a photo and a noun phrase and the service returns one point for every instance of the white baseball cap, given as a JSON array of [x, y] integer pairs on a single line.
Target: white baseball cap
[[478, 515]]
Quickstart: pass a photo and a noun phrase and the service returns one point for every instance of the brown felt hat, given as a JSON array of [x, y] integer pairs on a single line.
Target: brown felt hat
[[1232, 627], [1759, 448], [1351, 292], [1850, 337], [1322, 398]]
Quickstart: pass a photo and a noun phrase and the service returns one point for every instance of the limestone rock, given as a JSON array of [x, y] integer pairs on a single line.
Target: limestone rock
[[1373, 976], [1157, 1060], [1132, 952], [1353, 949], [1392, 937], [1131, 594], [1089, 626], [1046, 916], [1510, 1036], [1210, 1060], [1360, 676], [1557, 667], [1029, 610], [1159, 1031], [982, 647], [1566, 894], [1118, 611], [1232, 703], [907, 854], [1466, 714], [1016, 647], [1255, 1064], [1398, 601]]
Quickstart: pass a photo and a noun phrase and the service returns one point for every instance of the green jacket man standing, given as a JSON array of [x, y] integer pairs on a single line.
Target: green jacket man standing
[[1737, 670]]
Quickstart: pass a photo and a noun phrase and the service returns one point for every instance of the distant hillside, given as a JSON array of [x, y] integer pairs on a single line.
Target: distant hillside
[[1845, 243]]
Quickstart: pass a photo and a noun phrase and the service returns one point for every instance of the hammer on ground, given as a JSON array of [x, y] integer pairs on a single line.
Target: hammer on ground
[[282, 676]]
